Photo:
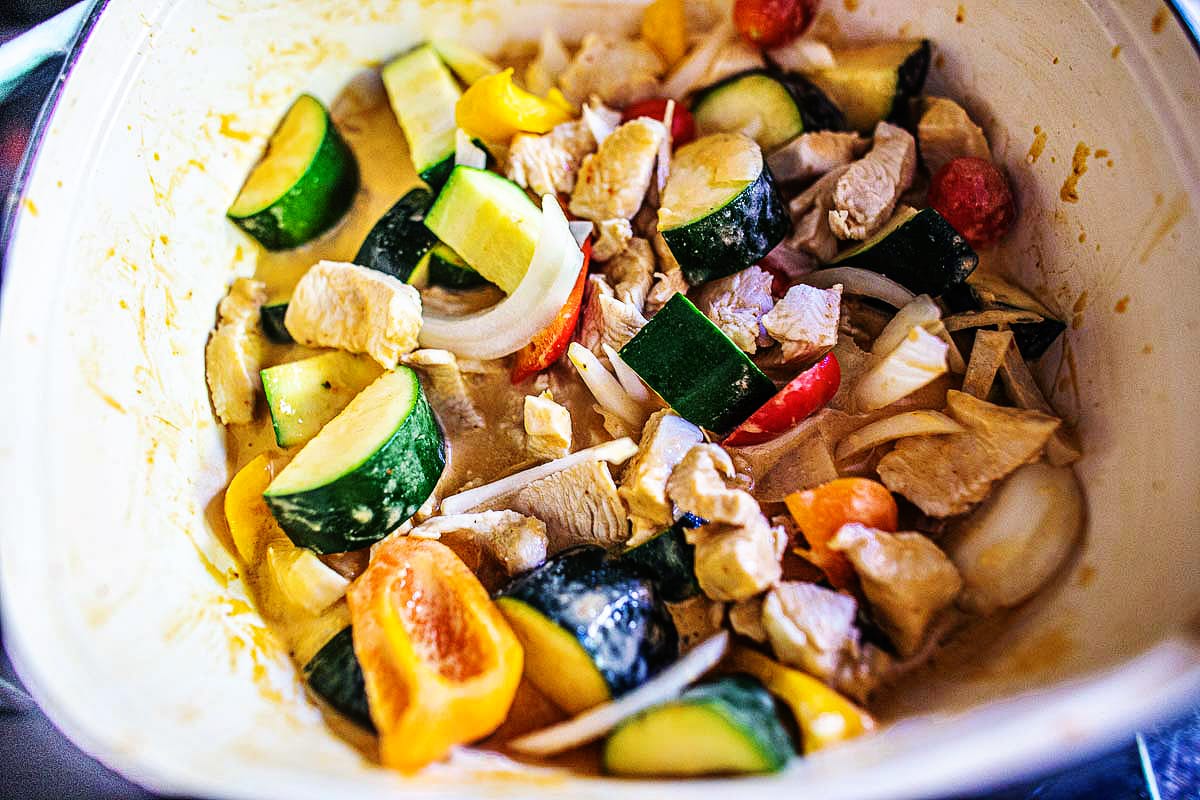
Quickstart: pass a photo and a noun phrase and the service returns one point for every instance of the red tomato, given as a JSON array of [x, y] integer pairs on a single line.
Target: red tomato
[[973, 195], [683, 127], [771, 23], [806, 393], [549, 345]]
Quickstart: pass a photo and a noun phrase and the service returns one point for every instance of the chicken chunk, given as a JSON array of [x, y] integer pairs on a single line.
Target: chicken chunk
[[805, 321], [549, 163], [668, 281], [518, 542], [810, 210], [607, 320], [234, 353], [620, 71], [945, 133], [612, 237], [547, 428], [579, 505], [632, 273], [447, 390], [905, 577], [613, 181], [698, 485], [746, 619], [811, 155], [696, 619], [736, 304], [866, 195], [946, 475], [666, 439], [356, 309]]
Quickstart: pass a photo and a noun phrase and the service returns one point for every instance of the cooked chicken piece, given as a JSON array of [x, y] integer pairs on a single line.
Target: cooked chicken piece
[[607, 320], [447, 390], [668, 282], [696, 619], [906, 578], [734, 56], [620, 71], [736, 304], [946, 475], [746, 618], [632, 273], [579, 505], [613, 181], [518, 542], [866, 195], [547, 428], [666, 439], [698, 485], [946, 133], [548, 164], [805, 321], [811, 155], [612, 237], [356, 309], [810, 210], [233, 356]]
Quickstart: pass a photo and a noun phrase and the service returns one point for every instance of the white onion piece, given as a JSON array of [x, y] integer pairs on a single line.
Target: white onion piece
[[581, 229], [631, 382], [919, 359], [662, 164], [912, 423], [594, 723], [1012, 545], [618, 451], [916, 313], [542, 73], [607, 390], [954, 356], [862, 282], [467, 153], [691, 71], [510, 324], [803, 55], [601, 121]]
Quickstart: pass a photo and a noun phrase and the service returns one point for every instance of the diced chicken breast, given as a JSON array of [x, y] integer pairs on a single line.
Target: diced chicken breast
[[906, 578], [234, 353], [866, 195], [805, 321], [579, 505], [612, 237], [810, 211], [518, 542], [945, 133], [746, 619], [607, 320], [696, 619], [632, 272], [698, 485], [613, 181], [946, 475], [620, 71], [668, 281], [811, 155], [736, 304], [547, 428], [447, 390], [549, 163], [355, 309], [666, 439]]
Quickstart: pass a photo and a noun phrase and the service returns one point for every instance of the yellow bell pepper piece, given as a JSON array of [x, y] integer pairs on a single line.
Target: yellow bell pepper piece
[[495, 109], [824, 716], [664, 27], [251, 523]]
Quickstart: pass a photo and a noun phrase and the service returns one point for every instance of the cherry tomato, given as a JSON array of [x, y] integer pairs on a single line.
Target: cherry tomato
[[553, 340], [807, 392], [973, 195], [771, 23], [683, 127]]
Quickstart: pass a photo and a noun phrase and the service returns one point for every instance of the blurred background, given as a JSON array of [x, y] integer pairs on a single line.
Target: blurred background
[[38, 763]]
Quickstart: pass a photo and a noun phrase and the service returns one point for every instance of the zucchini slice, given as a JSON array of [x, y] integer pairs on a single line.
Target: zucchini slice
[[304, 183], [721, 211], [304, 395], [592, 629], [877, 82], [696, 368], [335, 675], [986, 292], [918, 249], [447, 269], [725, 727], [368, 470], [467, 64], [272, 317], [423, 95], [668, 560], [772, 109], [399, 240], [490, 222]]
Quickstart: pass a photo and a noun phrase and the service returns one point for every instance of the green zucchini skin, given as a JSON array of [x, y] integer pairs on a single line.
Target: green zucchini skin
[[925, 254], [448, 270], [399, 240], [656, 741], [668, 561], [695, 367], [816, 109], [272, 317], [614, 613], [437, 175], [910, 83], [733, 237], [335, 675]]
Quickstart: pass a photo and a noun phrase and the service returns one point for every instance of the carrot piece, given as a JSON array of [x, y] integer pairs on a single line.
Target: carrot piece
[[821, 511]]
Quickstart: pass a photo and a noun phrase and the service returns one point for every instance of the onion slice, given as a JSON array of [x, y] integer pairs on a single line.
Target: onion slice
[[594, 723], [600, 120], [920, 311], [581, 229], [510, 324], [803, 55], [618, 451], [919, 359], [692, 70], [912, 423], [862, 282], [607, 390], [467, 153], [631, 382]]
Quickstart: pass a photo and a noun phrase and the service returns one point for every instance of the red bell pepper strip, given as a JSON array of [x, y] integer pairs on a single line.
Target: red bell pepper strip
[[683, 127], [805, 394], [552, 341]]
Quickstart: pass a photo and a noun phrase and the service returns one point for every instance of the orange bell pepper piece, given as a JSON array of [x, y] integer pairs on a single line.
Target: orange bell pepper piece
[[664, 27], [495, 109], [819, 513]]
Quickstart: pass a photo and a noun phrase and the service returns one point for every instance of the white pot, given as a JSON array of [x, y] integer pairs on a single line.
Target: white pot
[[123, 611]]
